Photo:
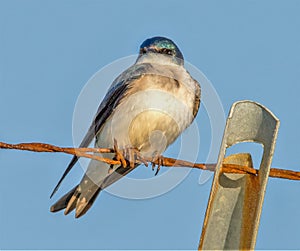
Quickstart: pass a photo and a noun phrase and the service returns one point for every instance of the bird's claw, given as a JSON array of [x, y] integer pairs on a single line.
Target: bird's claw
[[119, 155], [133, 156], [159, 159], [129, 156]]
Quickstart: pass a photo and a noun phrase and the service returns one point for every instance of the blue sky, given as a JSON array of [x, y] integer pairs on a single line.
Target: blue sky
[[49, 50]]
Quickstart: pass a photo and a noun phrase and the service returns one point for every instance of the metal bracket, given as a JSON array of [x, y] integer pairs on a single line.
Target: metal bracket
[[235, 203]]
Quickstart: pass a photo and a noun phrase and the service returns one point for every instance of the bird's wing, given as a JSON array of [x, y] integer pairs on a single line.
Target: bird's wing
[[114, 96]]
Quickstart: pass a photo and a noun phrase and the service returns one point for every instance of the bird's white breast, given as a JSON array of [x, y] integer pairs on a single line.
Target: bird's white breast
[[157, 110]]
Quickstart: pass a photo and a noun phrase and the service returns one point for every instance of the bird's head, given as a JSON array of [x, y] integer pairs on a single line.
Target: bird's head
[[163, 46]]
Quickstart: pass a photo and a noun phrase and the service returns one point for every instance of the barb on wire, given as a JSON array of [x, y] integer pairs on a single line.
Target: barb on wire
[[164, 161]]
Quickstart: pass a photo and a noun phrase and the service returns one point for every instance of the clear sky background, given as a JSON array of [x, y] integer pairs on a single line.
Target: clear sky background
[[48, 51]]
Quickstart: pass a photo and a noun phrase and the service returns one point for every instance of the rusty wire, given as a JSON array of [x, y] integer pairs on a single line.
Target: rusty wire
[[164, 161]]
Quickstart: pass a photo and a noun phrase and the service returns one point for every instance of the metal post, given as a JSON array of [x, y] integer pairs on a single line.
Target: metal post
[[235, 203]]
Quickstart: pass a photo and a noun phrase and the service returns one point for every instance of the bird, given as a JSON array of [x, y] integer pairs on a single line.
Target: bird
[[146, 108]]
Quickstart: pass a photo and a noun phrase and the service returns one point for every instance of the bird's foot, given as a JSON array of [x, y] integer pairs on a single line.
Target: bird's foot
[[119, 155], [159, 160], [133, 157], [128, 156]]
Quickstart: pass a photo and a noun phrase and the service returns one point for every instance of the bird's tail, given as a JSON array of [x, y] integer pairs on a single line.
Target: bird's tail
[[83, 196], [78, 198]]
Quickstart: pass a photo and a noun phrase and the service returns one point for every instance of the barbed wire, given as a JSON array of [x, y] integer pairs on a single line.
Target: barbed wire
[[162, 161]]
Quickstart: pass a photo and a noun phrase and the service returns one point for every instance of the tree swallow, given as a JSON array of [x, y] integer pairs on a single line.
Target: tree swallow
[[146, 108]]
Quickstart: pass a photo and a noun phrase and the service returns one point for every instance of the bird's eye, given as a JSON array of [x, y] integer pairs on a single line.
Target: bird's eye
[[143, 50]]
